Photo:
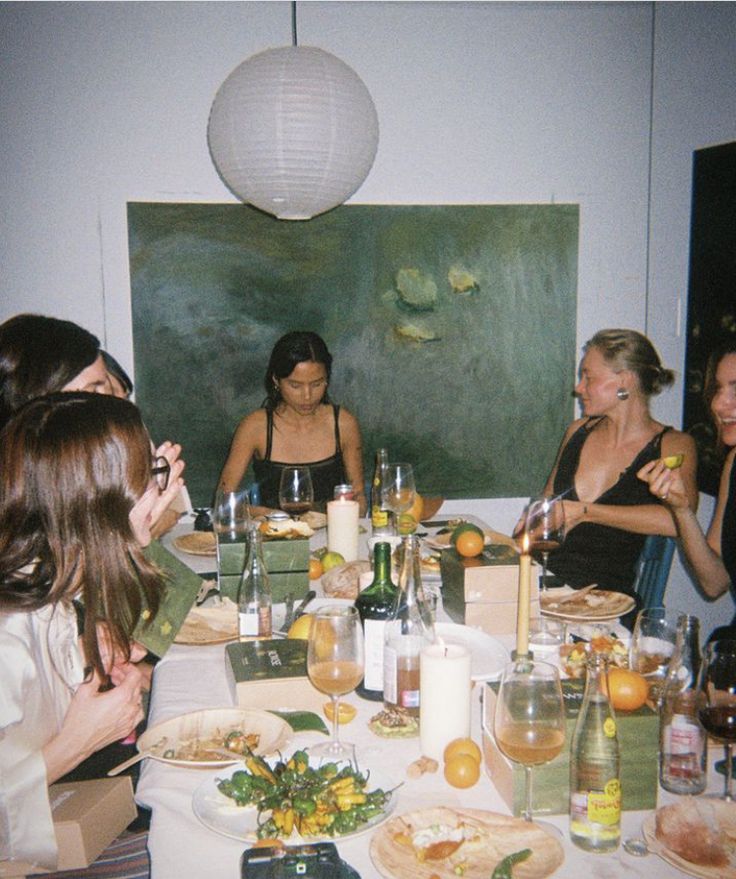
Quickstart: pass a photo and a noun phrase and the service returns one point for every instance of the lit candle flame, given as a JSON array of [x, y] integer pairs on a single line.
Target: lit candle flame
[[525, 543]]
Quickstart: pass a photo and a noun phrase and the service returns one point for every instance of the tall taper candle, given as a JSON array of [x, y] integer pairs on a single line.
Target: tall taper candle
[[342, 528], [444, 696], [525, 583]]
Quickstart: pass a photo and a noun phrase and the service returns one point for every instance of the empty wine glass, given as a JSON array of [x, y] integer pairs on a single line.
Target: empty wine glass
[[399, 490], [335, 666], [296, 492], [652, 645], [717, 699], [545, 525], [230, 518], [529, 720]]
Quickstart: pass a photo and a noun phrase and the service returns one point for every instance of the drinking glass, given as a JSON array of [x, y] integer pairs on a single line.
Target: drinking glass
[[545, 526], [296, 493], [529, 720], [652, 646], [717, 699], [399, 490], [335, 666], [230, 518]]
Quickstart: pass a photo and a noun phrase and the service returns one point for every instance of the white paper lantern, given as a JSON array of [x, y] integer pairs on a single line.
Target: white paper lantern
[[293, 131]]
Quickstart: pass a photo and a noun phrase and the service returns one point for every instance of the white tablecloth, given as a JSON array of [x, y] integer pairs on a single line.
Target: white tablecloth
[[193, 678]]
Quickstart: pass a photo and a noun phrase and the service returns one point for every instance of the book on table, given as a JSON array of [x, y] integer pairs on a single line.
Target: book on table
[[271, 674]]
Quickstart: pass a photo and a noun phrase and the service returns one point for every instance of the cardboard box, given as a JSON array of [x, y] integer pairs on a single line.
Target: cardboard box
[[483, 592], [88, 816], [287, 563], [638, 737], [271, 674]]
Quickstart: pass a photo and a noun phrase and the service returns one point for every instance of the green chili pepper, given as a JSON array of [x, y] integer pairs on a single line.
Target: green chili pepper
[[503, 868]]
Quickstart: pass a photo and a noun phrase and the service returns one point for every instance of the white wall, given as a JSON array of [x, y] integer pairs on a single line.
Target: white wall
[[478, 103]]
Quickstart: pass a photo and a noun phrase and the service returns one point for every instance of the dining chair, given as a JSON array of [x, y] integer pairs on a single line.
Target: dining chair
[[653, 569]]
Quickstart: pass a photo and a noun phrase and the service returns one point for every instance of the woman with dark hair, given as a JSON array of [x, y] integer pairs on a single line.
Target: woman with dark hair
[[608, 512], [40, 355], [78, 488], [712, 557], [298, 425]]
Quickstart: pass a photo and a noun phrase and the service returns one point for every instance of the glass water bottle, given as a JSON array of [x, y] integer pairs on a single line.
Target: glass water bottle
[[380, 516], [254, 593]]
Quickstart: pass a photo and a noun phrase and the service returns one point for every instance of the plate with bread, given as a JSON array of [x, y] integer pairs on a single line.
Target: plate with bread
[[585, 605], [444, 843], [697, 835]]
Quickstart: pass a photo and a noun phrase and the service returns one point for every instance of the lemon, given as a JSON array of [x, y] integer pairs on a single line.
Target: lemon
[[331, 560], [672, 462], [299, 629], [345, 712], [406, 524]]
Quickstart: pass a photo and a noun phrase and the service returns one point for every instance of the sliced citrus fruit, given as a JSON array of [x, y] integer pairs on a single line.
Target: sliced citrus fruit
[[299, 629], [345, 711], [672, 462]]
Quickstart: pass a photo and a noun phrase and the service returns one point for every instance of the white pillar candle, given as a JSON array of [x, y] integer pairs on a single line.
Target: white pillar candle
[[444, 697], [342, 528]]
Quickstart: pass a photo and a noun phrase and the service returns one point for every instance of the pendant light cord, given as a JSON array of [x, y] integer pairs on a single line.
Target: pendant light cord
[[293, 23]]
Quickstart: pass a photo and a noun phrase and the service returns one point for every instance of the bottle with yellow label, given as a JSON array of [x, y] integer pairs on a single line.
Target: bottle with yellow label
[[595, 780], [380, 516]]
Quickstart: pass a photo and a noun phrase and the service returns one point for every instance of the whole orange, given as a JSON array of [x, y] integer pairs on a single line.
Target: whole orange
[[469, 544], [315, 569], [462, 746], [462, 770], [628, 690]]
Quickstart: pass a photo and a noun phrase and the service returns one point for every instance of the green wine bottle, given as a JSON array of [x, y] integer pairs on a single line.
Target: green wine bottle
[[375, 605]]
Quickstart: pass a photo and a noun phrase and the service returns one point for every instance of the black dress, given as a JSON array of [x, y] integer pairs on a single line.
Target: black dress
[[326, 474], [594, 553]]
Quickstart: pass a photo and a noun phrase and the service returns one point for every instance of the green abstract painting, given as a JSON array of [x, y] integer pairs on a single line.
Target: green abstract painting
[[452, 330]]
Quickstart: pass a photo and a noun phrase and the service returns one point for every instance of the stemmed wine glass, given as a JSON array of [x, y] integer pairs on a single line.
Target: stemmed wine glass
[[529, 720], [717, 699], [399, 490], [230, 518], [545, 525], [335, 666], [296, 492]]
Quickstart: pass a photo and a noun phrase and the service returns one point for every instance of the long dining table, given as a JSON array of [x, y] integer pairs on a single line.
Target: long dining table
[[191, 678]]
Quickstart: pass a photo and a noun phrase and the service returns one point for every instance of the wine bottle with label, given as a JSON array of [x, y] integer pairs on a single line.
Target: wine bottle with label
[[376, 604], [254, 593], [595, 779], [380, 516], [410, 629], [682, 745]]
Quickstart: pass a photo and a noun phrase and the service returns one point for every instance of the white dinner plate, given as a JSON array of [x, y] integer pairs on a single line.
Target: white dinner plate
[[487, 655], [175, 737], [220, 813]]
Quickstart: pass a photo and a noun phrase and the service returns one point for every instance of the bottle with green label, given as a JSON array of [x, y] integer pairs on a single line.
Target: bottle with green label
[[595, 779]]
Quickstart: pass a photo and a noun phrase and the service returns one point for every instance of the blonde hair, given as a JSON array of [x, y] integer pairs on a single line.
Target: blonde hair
[[630, 350]]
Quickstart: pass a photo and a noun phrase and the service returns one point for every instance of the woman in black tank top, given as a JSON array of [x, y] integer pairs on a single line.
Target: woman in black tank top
[[297, 424], [607, 516], [711, 558]]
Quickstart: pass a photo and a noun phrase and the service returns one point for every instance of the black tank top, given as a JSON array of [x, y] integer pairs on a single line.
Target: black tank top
[[598, 553], [728, 531], [326, 474]]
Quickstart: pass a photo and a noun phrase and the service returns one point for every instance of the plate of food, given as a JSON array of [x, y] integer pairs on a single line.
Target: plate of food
[[574, 657], [446, 843], [198, 739], [487, 655], [240, 803], [197, 543], [216, 623], [697, 835], [587, 606]]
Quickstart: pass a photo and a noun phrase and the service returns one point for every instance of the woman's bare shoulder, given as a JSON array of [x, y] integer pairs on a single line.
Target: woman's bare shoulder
[[677, 441]]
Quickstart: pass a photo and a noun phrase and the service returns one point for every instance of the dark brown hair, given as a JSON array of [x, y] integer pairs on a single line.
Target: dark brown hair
[[40, 355], [299, 346], [630, 350], [72, 465], [710, 386]]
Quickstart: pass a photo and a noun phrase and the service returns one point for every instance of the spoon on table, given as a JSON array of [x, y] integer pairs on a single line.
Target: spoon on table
[[153, 751]]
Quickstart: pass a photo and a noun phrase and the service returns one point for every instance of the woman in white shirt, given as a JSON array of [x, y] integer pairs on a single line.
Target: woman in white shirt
[[79, 488]]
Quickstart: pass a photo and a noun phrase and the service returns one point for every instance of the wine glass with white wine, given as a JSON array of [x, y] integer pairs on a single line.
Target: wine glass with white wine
[[398, 492], [529, 720], [335, 666]]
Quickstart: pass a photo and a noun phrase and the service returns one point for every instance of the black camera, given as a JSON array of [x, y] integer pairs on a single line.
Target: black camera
[[317, 861]]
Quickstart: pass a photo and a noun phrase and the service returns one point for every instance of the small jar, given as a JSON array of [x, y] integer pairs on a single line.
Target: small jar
[[344, 491]]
